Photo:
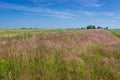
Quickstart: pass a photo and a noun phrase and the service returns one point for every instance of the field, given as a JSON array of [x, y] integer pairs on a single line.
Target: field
[[59, 54]]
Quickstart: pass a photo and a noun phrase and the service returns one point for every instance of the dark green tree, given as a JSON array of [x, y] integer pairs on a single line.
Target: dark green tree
[[99, 27], [91, 27], [106, 27]]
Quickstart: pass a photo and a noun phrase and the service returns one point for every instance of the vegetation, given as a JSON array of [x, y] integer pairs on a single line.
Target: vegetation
[[91, 27], [94, 27], [59, 55], [99, 27]]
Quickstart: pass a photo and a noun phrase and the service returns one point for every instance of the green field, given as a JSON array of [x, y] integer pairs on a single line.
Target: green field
[[59, 54]]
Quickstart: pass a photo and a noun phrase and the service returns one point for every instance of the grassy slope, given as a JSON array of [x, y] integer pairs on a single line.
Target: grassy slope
[[116, 32], [59, 55]]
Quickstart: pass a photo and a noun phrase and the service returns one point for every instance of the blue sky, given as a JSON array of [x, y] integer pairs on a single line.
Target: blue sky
[[59, 13]]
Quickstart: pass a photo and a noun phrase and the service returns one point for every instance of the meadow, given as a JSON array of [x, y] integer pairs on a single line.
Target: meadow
[[59, 54]]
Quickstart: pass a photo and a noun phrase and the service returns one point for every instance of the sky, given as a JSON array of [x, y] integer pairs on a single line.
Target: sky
[[52, 14]]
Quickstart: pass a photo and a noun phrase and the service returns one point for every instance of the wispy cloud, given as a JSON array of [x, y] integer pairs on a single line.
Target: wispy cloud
[[60, 14], [88, 13], [41, 10], [91, 3], [93, 13], [107, 13], [46, 11]]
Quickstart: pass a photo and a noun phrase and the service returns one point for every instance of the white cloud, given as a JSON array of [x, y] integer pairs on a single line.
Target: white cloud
[[93, 13], [92, 3], [46, 11], [57, 13], [107, 13], [89, 3], [88, 13]]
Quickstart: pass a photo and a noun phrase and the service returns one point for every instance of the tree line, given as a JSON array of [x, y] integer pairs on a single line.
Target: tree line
[[88, 27], [94, 27]]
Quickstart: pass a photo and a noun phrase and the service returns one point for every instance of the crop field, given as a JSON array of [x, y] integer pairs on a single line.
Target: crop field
[[60, 54]]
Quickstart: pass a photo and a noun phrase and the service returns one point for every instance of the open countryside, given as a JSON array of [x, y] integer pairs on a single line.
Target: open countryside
[[60, 54], [59, 39]]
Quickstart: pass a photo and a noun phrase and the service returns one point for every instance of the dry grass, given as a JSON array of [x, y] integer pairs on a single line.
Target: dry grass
[[60, 55]]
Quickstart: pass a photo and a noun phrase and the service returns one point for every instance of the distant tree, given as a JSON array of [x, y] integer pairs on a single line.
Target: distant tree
[[23, 28], [106, 27], [30, 28], [91, 27], [35, 28], [83, 28], [99, 27]]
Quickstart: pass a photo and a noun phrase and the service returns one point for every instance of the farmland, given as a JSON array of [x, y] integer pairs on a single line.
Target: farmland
[[59, 54]]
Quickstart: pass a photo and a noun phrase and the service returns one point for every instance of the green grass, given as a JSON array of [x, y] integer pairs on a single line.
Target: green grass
[[116, 33], [56, 55]]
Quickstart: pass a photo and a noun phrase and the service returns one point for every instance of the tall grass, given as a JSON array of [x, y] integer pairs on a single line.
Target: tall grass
[[59, 55]]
